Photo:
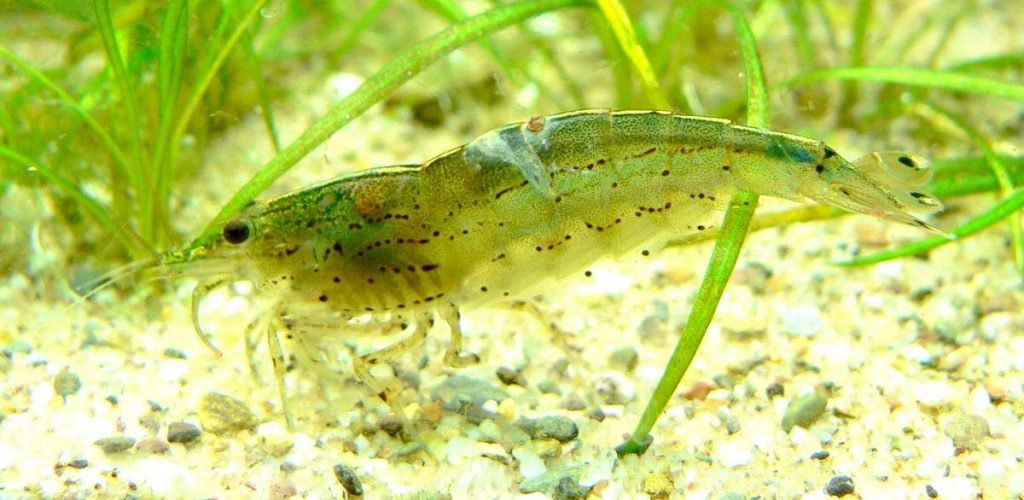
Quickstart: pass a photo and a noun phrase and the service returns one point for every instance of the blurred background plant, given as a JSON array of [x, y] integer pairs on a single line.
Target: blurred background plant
[[107, 107]]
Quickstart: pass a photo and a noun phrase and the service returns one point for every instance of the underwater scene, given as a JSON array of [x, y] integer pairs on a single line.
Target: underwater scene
[[434, 249]]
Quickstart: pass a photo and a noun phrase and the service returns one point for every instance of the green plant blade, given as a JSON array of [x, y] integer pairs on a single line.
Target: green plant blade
[[735, 226], [376, 88], [205, 78], [1005, 208], [94, 208], [617, 18], [1000, 170], [132, 115], [120, 159], [171, 58], [919, 77]]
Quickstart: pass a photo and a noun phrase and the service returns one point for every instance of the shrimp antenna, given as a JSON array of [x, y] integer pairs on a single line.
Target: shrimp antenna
[[106, 280]]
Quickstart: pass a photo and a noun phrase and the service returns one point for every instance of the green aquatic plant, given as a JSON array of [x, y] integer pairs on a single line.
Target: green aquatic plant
[[132, 130]]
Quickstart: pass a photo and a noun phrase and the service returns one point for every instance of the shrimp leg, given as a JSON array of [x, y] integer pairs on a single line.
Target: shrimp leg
[[454, 357]]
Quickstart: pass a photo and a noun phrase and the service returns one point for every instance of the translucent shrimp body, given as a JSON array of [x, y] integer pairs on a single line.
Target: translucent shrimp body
[[521, 206]]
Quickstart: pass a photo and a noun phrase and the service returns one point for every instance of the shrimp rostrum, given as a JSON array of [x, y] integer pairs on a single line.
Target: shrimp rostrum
[[509, 212]]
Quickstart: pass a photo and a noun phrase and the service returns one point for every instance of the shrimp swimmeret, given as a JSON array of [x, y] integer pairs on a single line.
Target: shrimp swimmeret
[[514, 208]]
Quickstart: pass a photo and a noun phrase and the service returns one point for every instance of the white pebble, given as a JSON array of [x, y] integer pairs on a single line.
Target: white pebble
[[733, 453], [802, 321], [530, 464], [933, 393], [980, 400], [171, 371], [992, 472]]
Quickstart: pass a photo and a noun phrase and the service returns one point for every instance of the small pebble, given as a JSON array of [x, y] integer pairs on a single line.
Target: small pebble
[[624, 358], [78, 463], [967, 431], [112, 399], [744, 366], [154, 406], [724, 380], [391, 424], [931, 491], [173, 353], [574, 402], [348, 479], [549, 387], [66, 383], [221, 413], [182, 432], [282, 489], [732, 424], [698, 391], [556, 426], [432, 412], [933, 394], [459, 391], [802, 321], [155, 446], [596, 414], [657, 485], [775, 389], [569, 487], [115, 444], [18, 346], [803, 411], [839, 486], [511, 376], [547, 448], [732, 495], [819, 455], [489, 431], [615, 389], [548, 482]]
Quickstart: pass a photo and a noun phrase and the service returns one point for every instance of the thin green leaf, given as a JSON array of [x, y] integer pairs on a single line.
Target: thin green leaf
[[617, 61], [254, 65], [999, 62], [373, 90], [1005, 208], [120, 159], [132, 116], [616, 16], [364, 21], [205, 78], [918, 77], [735, 226], [796, 15], [95, 209], [851, 91], [171, 58]]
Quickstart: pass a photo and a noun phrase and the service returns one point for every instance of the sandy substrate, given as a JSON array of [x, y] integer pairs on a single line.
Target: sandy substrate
[[920, 363]]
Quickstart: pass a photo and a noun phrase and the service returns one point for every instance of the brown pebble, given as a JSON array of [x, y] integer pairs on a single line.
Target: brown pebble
[[432, 412], [699, 391], [155, 446], [391, 424], [282, 489]]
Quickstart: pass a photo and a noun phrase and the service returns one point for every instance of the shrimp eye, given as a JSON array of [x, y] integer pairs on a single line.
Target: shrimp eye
[[235, 232]]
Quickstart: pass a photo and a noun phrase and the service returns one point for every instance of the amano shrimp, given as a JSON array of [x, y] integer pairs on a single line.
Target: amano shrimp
[[509, 213]]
